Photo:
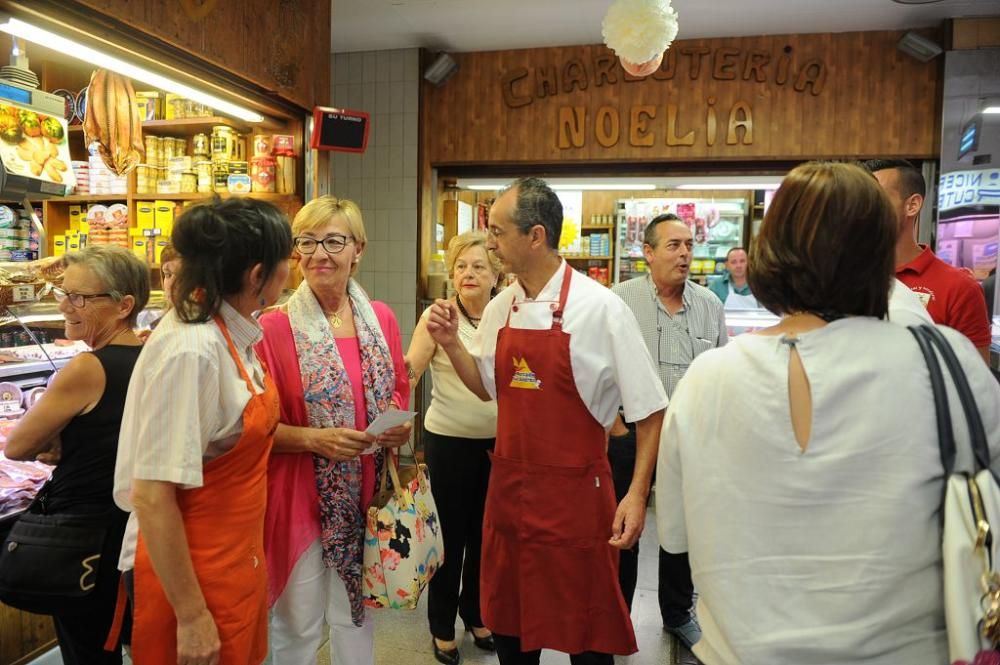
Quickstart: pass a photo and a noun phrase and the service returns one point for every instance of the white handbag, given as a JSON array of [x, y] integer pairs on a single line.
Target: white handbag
[[403, 543], [970, 509]]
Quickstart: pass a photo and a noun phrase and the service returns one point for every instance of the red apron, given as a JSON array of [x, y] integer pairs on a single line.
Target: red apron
[[549, 575], [224, 523]]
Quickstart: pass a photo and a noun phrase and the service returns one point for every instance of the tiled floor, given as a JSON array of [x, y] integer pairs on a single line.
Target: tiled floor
[[403, 637]]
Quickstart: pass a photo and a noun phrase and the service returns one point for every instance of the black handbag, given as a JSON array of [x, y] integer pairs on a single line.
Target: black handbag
[[49, 564]]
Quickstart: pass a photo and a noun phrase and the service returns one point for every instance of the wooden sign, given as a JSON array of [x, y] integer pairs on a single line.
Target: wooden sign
[[749, 98]]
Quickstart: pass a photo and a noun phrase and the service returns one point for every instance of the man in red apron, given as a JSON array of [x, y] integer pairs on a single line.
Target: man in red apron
[[559, 353]]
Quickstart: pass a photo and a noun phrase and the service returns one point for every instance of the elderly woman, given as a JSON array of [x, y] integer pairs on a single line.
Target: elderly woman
[[195, 441], [77, 420], [338, 363], [459, 433], [810, 511]]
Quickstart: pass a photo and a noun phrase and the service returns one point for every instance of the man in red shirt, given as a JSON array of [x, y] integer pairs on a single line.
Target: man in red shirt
[[951, 296]]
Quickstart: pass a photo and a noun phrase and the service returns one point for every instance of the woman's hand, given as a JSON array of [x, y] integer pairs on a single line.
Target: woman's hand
[[339, 444], [395, 437], [53, 454], [198, 640]]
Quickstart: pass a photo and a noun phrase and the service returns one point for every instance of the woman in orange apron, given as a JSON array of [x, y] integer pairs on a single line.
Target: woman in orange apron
[[196, 437], [550, 578]]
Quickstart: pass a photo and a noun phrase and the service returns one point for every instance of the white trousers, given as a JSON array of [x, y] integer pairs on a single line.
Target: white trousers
[[313, 596]]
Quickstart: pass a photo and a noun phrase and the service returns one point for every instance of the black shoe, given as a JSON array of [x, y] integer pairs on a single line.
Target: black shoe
[[450, 657], [484, 643]]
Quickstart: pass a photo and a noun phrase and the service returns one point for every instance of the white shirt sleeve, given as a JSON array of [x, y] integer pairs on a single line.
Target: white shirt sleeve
[[641, 389], [169, 419], [483, 346], [670, 524]]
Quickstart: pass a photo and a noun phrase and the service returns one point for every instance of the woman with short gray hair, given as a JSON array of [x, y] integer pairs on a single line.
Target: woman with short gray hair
[[76, 423]]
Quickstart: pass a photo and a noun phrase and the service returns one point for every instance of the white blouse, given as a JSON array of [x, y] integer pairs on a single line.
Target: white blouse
[[831, 555], [611, 365], [455, 410], [184, 406]]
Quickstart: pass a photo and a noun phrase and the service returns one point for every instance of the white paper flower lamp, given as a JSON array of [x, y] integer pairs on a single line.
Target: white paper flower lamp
[[639, 31]]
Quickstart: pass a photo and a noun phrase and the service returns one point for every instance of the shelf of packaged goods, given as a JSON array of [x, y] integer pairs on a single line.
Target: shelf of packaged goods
[[90, 198], [264, 196], [596, 227], [583, 257], [190, 126]]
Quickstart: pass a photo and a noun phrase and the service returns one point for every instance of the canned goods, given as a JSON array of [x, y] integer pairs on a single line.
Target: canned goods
[[189, 182], [262, 145], [168, 151], [239, 168], [220, 176], [262, 174], [204, 170]]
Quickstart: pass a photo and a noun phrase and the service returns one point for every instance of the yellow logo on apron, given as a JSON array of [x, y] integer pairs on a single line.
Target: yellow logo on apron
[[524, 377]]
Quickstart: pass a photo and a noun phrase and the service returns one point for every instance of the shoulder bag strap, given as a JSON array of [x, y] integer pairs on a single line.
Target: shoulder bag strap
[[977, 433], [946, 436]]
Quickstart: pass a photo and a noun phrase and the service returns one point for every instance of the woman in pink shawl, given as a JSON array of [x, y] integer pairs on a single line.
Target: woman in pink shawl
[[337, 360]]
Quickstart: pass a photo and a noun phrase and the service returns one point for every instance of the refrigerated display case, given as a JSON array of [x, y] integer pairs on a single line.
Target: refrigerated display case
[[740, 321], [716, 226]]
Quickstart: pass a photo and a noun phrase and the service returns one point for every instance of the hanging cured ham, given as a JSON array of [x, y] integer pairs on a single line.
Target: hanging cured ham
[[113, 122]]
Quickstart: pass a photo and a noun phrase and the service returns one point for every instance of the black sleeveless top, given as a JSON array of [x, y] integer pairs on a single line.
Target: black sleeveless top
[[84, 478]]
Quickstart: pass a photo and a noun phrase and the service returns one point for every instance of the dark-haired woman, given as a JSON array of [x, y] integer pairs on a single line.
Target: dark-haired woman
[[196, 436], [810, 511]]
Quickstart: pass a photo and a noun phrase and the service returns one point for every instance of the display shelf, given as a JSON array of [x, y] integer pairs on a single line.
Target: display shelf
[[597, 227], [90, 198], [191, 126], [10, 370], [264, 196], [585, 257]]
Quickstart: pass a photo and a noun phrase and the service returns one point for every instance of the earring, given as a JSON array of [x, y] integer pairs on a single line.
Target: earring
[[262, 301]]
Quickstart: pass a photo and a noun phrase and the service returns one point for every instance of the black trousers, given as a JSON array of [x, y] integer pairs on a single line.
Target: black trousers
[[460, 473], [509, 653], [674, 589]]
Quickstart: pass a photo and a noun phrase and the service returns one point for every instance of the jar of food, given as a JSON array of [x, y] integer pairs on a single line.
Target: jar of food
[[189, 111], [239, 168], [189, 182], [204, 171], [262, 174], [200, 146], [168, 151], [153, 148], [262, 145], [223, 143], [180, 108]]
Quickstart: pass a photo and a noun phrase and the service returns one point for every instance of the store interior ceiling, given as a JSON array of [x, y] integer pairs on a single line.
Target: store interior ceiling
[[488, 25]]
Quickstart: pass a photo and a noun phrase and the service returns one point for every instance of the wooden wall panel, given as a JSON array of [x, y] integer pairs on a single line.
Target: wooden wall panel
[[281, 45], [869, 100]]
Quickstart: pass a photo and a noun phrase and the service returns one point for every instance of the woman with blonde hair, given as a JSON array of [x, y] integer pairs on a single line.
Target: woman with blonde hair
[[459, 433], [338, 363]]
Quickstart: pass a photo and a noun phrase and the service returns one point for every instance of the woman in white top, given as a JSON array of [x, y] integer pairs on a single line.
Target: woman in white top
[[799, 465], [195, 440], [459, 431]]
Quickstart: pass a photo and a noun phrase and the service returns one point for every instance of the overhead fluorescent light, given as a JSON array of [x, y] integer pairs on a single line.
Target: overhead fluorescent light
[[572, 187], [728, 186], [604, 186], [50, 40], [991, 109]]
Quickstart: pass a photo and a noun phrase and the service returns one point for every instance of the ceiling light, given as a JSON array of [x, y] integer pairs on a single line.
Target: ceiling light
[[916, 2], [94, 57], [728, 186], [991, 109], [604, 186]]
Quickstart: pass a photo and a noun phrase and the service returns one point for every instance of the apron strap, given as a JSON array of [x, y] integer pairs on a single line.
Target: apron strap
[[115, 632], [557, 315], [233, 352]]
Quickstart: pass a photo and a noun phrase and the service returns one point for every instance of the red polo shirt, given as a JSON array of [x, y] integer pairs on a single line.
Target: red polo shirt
[[951, 296]]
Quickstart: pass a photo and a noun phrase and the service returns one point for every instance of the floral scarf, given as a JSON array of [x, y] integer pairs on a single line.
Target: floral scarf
[[330, 403]]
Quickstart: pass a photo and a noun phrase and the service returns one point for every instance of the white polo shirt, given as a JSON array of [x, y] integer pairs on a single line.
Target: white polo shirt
[[611, 365]]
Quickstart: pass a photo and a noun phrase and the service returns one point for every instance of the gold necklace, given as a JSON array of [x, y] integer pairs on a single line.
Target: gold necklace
[[335, 320]]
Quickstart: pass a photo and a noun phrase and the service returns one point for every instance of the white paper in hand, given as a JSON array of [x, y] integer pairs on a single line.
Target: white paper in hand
[[388, 420]]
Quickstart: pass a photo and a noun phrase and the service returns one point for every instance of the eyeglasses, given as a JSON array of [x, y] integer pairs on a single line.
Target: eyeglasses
[[78, 300], [334, 244]]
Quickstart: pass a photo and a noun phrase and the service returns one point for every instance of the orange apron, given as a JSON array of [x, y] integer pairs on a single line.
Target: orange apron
[[224, 523], [549, 575]]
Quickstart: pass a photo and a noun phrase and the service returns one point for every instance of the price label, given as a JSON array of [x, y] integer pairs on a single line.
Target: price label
[[7, 408], [24, 292]]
